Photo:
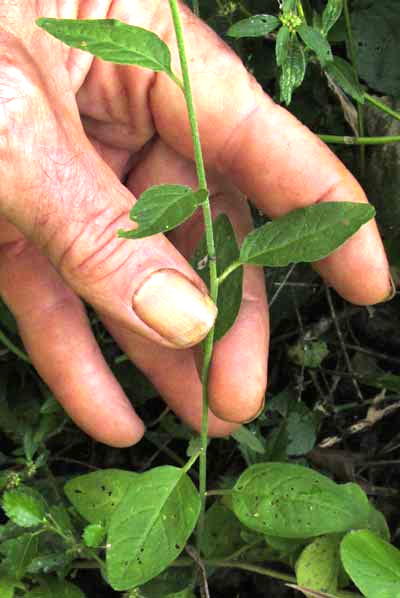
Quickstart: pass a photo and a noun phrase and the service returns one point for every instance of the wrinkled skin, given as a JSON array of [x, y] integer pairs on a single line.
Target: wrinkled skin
[[72, 127]]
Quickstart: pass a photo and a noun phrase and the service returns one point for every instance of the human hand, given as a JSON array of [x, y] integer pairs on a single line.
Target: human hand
[[62, 202]]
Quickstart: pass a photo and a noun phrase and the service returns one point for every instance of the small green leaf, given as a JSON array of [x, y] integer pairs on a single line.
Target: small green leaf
[[50, 587], [156, 517], [112, 40], [331, 15], [293, 69], [309, 354], [282, 45], [318, 566], [305, 235], [343, 74], [96, 495], [162, 208], [169, 582], [290, 501], [314, 40], [19, 553], [7, 587], [24, 506], [372, 564], [231, 289], [94, 534], [246, 437], [255, 26], [222, 533], [51, 562]]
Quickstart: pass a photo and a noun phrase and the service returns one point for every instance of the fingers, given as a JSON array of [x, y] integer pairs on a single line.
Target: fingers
[[239, 368], [267, 153], [57, 336], [58, 192]]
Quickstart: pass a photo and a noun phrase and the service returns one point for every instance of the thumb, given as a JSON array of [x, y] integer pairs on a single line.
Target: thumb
[[59, 193]]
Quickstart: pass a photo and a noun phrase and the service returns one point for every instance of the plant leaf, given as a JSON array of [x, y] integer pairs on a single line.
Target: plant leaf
[[94, 534], [222, 533], [290, 501], [318, 566], [156, 517], [162, 208], [96, 495], [24, 506], [372, 564], [282, 45], [230, 291], [314, 40], [7, 587], [245, 436], [112, 40], [305, 235], [293, 69], [342, 73], [51, 587], [255, 26], [331, 15], [19, 553]]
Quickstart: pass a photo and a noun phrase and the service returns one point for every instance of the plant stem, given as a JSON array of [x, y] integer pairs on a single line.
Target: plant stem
[[10, 345], [360, 108], [346, 140], [208, 225], [196, 8], [382, 106], [231, 268]]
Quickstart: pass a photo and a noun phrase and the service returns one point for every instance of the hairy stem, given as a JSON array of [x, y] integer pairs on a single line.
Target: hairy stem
[[201, 174]]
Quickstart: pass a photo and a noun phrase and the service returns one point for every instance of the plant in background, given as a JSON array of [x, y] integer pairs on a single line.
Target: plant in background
[[134, 526]]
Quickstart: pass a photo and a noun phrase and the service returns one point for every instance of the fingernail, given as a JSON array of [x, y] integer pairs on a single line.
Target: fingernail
[[257, 415], [392, 293], [173, 306]]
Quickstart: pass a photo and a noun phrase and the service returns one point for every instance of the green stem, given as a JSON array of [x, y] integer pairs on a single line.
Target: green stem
[[191, 462], [231, 268], [381, 106], [346, 140], [10, 345], [360, 107], [185, 562], [219, 493], [208, 225]]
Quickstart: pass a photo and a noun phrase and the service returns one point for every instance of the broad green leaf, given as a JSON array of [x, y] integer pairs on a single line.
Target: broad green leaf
[[305, 235], [282, 45], [7, 587], [61, 517], [314, 40], [246, 437], [343, 74], [301, 429], [230, 291], [55, 561], [96, 495], [24, 506], [293, 69], [94, 534], [291, 501], [309, 354], [162, 208], [156, 517], [284, 546], [377, 524], [19, 553], [112, 40], [255, 26], [331, 15], [170, 582], [55, 588], [222, 533], [372, 564], [318, 566]]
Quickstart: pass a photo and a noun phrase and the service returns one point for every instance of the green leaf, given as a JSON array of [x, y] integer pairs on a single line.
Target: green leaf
[[112, 40], [309, 354], [293, 69], [156, 517], [314, 40], [318, 566], [288, 6], [305, 235], [169, 582], [231, 289], [24, 506], [7, 587], [282, 45], [162, 208], [343, 74], [247, 438], [94, 534], [222, 533], [19, 553], [301, 429], [55, 588], [96, 495], [55, 561], [372, 564], [255, 26], [377, 524], [291, 501], [331, 15]]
